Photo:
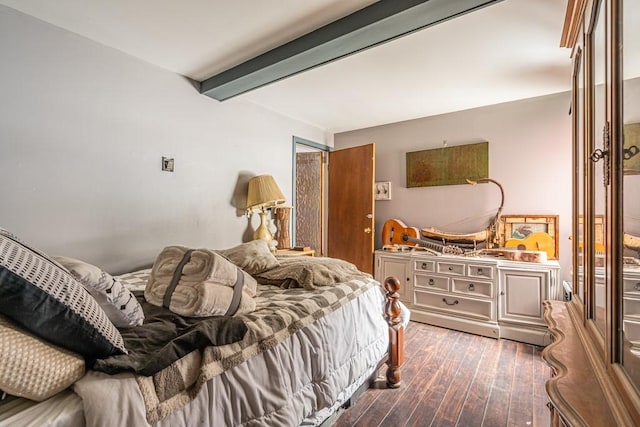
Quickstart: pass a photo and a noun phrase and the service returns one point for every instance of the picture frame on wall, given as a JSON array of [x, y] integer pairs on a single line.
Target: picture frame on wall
[[530, 232]]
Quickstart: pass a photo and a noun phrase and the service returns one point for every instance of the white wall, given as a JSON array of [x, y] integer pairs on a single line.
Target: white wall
[[529, 154], [83, 128]]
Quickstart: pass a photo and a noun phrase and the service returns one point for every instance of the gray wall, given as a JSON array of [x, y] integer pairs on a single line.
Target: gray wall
[[83, 128], [529, 154]]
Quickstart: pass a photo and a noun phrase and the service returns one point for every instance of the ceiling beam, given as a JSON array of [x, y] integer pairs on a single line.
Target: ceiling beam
[[375, 24]]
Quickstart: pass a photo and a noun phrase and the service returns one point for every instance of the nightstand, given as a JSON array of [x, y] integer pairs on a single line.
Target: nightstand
[[291, 252]]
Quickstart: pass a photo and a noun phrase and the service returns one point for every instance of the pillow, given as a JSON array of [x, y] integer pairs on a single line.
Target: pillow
[[33, 368], [121, 307], [253, 257], [47, 301]]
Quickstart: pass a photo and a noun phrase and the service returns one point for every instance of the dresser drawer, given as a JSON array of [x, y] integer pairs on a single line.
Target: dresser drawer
[[472, 287], [632, 331], [480, 271], [420, 265], [451, 268], [431, 282], [632, 285], [468, 307], [631, 308]]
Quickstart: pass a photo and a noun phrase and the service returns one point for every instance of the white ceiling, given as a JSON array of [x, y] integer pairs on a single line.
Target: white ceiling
[[507, 51]]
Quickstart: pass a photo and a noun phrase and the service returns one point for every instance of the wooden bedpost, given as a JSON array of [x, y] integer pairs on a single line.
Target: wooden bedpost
[[393, 315]]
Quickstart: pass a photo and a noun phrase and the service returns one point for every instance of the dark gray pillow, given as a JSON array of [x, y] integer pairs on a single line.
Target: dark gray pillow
[[253, 257], [44, 299]]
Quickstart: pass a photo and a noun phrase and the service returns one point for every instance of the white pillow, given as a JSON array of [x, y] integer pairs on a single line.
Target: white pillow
[[253, 257], [118, 302]]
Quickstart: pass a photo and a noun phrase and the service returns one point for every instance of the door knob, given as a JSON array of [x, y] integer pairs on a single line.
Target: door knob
[[370, 216], [367, 230]]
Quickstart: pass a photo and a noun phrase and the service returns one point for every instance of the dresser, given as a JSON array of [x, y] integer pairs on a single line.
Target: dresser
[[484, 296]]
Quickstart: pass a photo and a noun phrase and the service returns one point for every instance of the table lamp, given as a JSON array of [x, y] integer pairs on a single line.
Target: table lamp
[[263, 194]]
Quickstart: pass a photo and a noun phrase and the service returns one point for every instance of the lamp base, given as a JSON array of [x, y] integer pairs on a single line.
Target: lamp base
[[262, 232]]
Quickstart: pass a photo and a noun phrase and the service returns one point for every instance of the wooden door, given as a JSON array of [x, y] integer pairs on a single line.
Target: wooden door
[[350, 219]]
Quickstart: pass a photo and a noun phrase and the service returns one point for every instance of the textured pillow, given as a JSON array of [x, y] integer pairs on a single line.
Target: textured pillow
[[47, 301], [33, 368], [121, 306], [253, 257]]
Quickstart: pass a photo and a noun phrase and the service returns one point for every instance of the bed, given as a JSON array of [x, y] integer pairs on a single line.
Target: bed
[[314, 337]]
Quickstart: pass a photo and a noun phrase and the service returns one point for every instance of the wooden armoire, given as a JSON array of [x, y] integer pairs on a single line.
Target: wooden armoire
[[595, 354]]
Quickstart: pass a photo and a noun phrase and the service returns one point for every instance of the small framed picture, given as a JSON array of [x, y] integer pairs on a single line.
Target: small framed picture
[[382, 190], [530, 232]]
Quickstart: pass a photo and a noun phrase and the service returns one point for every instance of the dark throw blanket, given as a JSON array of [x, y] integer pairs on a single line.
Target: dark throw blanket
[[166, 337]]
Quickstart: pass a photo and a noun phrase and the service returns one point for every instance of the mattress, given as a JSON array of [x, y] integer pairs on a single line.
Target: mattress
[[297, 382]]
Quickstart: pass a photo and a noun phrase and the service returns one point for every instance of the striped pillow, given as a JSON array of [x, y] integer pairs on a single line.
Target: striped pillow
[[44, 299]]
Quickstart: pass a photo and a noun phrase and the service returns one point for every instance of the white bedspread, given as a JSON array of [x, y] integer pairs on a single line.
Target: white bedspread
[[294, 383]]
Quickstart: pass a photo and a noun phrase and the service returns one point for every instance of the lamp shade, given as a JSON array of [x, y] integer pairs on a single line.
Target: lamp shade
[[263, 193]]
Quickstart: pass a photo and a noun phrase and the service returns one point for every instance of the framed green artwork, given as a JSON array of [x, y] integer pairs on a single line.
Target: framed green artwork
[[448, 165]]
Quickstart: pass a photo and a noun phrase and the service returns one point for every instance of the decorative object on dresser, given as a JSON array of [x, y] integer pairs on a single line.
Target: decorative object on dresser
[[483, 295], [488, 236], [263, 194], [530, 232]]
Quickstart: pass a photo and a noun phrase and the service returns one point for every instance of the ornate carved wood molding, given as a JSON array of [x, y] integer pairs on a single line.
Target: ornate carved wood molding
[[581, 390]]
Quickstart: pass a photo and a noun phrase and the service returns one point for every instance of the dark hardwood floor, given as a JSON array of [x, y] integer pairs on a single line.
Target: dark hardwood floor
[[451, 378]]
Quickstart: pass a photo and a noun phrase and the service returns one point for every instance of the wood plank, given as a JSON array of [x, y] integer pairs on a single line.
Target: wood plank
[[480, 389], [417, 341], [521, 404], [435, 389], [455, 397], [541, 373], [452, 378], [497, 410]]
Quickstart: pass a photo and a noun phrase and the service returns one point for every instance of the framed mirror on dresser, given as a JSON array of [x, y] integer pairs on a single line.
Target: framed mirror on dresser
[[595, 353]]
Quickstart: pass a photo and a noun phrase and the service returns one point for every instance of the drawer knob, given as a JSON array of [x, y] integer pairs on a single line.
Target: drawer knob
[[431, 282], [424, 266], [479, 271], [637, 286], [450, 268], [449, 303], [471, 287]]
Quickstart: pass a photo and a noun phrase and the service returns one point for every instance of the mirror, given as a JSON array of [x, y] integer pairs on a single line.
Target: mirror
[[578, 111], [631, 190], [598, 39]]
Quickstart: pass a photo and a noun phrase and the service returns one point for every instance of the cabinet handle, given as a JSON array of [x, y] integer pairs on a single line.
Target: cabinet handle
[[431, 282], [408, 278], [637, 286], [501, 292], [449, 303], [424, 266], [471, 287]]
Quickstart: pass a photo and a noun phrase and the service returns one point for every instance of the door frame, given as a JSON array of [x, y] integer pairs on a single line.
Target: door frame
[[316, 146]]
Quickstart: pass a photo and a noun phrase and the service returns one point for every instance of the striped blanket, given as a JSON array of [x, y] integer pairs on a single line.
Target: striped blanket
[[279, 314]]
